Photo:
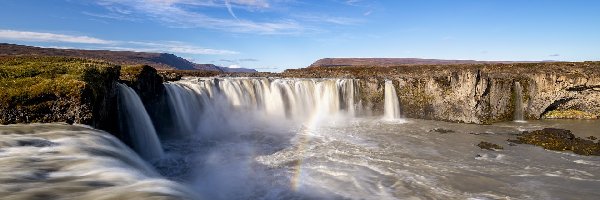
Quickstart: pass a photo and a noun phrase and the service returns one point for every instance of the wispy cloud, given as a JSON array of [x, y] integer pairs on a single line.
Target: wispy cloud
[[49, 37], [329, 19], [238, 61], [168, 46], [554, 55], [171, 47], [177, 13]]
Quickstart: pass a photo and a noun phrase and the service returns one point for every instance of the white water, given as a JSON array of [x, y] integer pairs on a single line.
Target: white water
[[233, 102], [59, 161], [518, 114], [137, 124], [258, 138], [391, 105]]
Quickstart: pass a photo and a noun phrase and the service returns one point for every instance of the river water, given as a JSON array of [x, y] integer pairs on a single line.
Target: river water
[[257, 138], [371, 158]]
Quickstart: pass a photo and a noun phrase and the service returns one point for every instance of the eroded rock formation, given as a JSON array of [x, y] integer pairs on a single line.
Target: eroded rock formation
[[477, 93]]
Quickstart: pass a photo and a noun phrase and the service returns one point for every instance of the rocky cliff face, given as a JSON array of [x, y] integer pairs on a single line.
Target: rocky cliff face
[[51, 89], [148, 84], [58, 89], [478, 93]]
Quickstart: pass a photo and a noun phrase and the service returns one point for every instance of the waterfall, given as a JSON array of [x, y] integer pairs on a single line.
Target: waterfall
[[518, 114], [197, 103], [137, 124], [391, 106]]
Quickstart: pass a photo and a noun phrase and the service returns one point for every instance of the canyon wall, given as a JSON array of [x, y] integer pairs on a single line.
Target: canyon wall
[[54, 89], [478, 93]]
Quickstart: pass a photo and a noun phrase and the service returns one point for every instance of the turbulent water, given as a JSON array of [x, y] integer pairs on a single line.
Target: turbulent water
[[137, 124], [260, 138], [59, 161]]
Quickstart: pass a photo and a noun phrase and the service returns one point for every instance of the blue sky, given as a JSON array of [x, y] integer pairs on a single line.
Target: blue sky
[[272, 35]]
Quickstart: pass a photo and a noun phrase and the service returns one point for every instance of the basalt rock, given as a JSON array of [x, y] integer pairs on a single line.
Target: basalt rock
[[559, 140], [145, 81], [59, 89], [477, 93], [489, 146], [441, 130]]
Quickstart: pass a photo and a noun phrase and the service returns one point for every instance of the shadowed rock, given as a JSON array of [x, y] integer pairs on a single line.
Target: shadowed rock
[[489, 146], [441, 130], [559, 140]]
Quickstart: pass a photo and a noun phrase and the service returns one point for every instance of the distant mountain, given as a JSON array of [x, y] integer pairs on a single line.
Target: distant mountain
[[156, 60], [331, 62]]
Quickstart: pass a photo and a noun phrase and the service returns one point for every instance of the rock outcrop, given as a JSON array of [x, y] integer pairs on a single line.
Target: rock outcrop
[[73, 90], [476, 93], [145, 80], [559, 140], [58, 89]]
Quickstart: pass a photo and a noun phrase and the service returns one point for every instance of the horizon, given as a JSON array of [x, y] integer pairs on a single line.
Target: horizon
[[274, 35]]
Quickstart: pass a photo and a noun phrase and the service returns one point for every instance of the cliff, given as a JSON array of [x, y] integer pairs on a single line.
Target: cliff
[[58, 89], [478, 93], [54, 89]]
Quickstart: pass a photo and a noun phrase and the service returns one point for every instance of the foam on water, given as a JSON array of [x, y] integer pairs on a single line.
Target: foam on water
[[54, 161]]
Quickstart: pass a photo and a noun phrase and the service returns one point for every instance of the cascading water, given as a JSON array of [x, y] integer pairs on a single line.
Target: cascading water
[[137, 124], [518, 114], [264, 138], [220, 100], [391, 105]]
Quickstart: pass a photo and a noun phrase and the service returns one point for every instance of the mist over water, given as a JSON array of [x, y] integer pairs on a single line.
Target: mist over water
[[239, 119], [259, 138]]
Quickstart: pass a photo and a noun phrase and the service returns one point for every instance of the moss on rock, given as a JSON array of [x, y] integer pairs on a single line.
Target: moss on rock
[[57, 89], [569, 114], [489, 146], [559, 140]]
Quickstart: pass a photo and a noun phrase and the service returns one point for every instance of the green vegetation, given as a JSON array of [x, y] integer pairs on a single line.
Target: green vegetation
[[36, 86], [569, 114], [559, 140], [131, 73]]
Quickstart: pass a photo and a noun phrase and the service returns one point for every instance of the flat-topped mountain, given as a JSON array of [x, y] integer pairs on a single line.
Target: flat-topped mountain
[[383, 62], [155, 60]]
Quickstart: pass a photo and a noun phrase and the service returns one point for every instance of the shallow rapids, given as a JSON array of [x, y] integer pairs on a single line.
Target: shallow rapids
[[246, 151], [375, 159]]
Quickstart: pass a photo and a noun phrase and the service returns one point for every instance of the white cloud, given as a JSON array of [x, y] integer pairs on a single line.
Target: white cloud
[[235, 66], [329, 19], [177, 13], [169, 46], [49, 37]]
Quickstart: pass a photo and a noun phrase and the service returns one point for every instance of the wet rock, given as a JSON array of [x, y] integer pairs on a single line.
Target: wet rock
[[441, 130], [476, 93], [482, 133], [560, 140], [489, 146], [569, 114]]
